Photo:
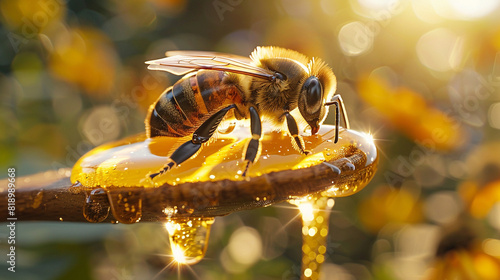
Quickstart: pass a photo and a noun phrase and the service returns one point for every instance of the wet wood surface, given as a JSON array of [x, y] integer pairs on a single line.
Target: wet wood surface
[[50, 196]]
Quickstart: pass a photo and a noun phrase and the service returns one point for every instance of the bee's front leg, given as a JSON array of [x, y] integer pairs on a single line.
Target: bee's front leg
[[253, 147], [200, 136], [293, 129], [339, 103]]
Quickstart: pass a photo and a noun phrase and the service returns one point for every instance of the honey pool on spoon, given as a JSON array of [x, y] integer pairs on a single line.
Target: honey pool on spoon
[[202, 188]]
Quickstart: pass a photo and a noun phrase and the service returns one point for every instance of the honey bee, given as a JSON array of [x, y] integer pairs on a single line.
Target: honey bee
[[276, 84]]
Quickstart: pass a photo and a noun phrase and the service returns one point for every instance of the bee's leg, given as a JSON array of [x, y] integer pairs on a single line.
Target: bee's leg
[[339, 107], [253, 147], [294, 133], [200, 136]]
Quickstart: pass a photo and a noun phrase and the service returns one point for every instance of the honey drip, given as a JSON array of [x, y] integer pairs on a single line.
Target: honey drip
[[126, 204], [96, 207], [189, 238], [315, 212]]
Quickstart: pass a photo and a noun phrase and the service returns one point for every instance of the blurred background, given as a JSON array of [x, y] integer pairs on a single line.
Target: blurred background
[[422, 76]]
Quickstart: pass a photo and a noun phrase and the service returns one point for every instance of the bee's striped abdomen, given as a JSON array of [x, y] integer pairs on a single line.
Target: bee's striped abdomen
[[182, 108]]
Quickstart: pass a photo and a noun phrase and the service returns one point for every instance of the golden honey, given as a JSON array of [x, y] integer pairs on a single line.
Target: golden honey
[[189, 239], [128, 162], [121, 169], [315, 211]]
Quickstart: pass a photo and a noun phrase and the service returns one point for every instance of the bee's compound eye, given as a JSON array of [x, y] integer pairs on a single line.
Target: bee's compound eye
[[313, 91]]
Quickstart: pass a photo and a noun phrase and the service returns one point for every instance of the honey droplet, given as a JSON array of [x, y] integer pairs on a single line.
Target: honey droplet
[[37, 200], [126, 204], [96, 208], [315, 212], [189, 238]]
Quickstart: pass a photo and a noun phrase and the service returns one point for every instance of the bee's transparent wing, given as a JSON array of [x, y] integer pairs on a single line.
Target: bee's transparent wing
[[242, 59], [184, 62]]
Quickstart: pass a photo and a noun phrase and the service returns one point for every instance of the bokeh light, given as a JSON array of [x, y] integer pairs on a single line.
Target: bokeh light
[[31, 18], [443, 207], [440, 50], [245, 246], [85, 57], [100, 125], [377, 5], [494, 115], [491, 247], [355, 38], [465, 9]]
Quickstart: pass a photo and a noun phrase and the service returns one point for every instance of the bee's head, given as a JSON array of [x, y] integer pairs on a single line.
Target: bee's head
[[316, 88], [307, 86]]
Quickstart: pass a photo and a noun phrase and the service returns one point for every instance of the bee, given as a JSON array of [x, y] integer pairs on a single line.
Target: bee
[[275, 84]]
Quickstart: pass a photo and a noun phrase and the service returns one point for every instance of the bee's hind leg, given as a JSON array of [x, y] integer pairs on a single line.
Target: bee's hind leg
[[253, 147], [200, 136]]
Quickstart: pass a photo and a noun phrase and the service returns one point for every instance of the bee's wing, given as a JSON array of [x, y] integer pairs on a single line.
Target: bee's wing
[[243, 59], [183, 62]]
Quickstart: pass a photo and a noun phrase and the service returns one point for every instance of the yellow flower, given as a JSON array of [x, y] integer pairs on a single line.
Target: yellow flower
[[409, 112], [461, 257], [388, 205], [85, 57], [31, 17]]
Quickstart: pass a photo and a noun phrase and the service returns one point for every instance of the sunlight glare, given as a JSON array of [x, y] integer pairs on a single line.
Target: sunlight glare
[[465, 9], [178, 254], [306, 209]]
